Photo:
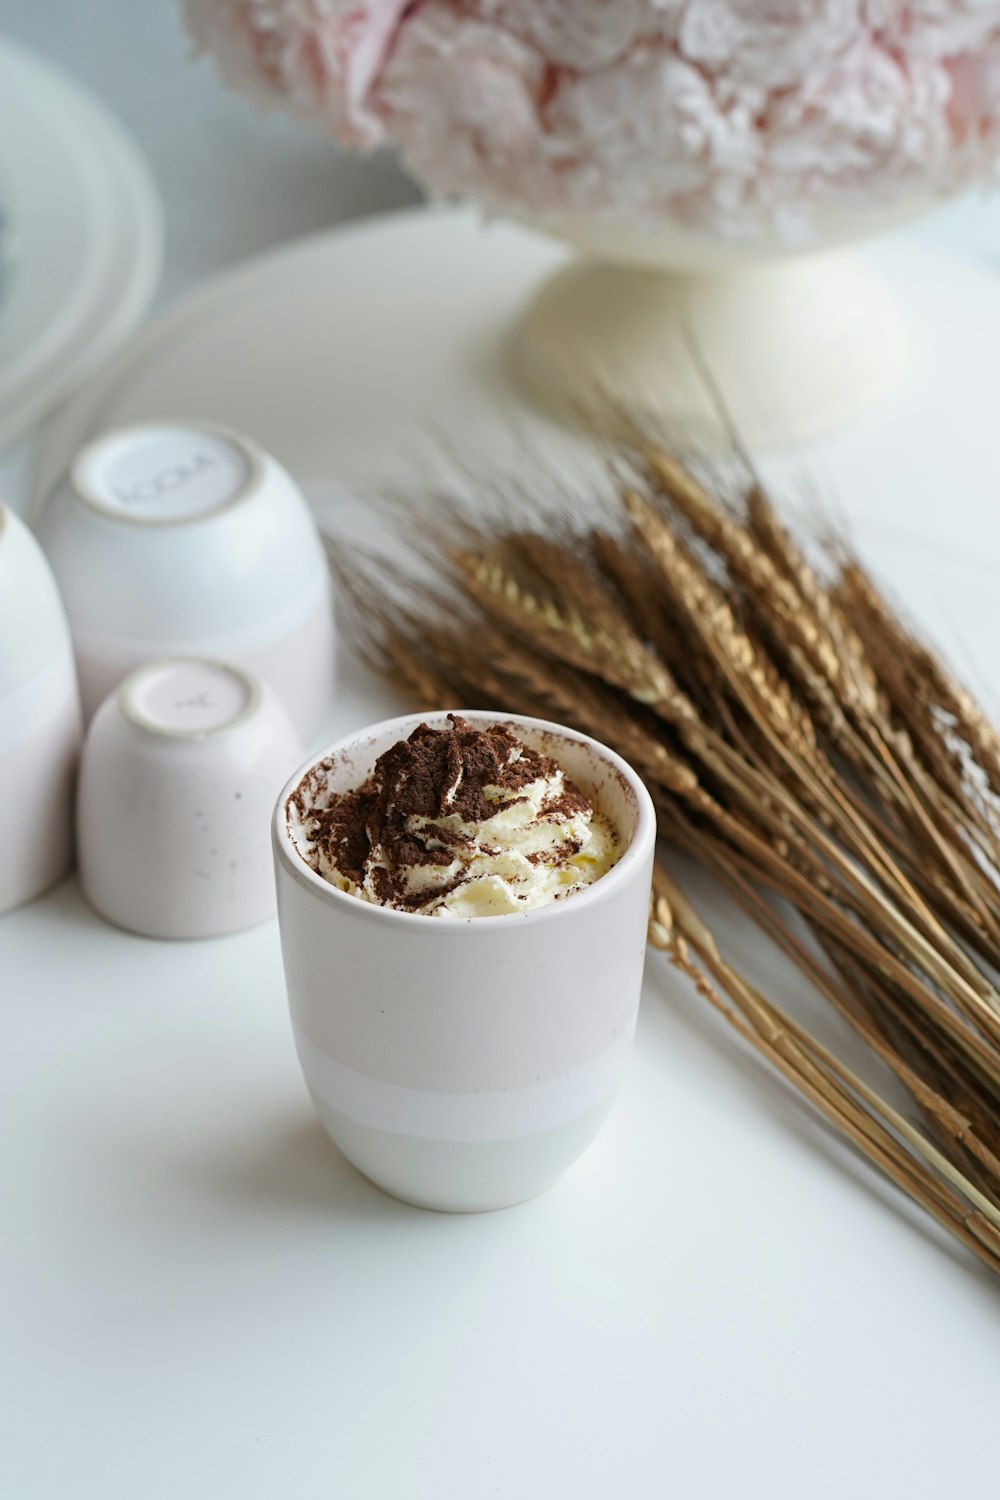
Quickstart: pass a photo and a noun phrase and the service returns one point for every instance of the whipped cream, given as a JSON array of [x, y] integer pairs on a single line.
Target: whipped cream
[[459, 822]]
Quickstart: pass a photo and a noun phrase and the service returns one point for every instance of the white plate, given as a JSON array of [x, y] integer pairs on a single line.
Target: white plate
[[84, 241], [347, 352]]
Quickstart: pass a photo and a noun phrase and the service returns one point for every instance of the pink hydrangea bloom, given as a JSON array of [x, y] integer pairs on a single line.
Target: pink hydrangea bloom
[[733, 116]]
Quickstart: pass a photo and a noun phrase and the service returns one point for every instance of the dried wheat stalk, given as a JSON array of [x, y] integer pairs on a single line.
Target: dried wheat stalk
[[797, 739]]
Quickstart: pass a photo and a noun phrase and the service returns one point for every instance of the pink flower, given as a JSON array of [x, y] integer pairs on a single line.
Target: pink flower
[[774, 43], [572, 36], [735, 116], [315, 58]]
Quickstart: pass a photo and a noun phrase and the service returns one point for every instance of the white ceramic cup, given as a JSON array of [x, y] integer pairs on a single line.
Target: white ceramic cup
[[465, 1065], [186, 539], [177, 781], [40, 722]]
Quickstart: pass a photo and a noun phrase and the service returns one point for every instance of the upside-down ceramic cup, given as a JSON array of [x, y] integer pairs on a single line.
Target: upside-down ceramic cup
[[177, 781], [40, 722], [186, 539], [465, 1064]]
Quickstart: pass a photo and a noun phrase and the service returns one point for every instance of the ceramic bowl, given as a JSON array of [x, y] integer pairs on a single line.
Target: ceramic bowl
[[40, 722], [186, 539], [178, 776], [465, 1065]]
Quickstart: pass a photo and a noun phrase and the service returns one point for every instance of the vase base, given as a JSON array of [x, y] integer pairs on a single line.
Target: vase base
[[793, 349]]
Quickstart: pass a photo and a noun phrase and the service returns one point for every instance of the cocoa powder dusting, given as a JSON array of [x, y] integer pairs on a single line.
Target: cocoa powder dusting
[[436, 773]]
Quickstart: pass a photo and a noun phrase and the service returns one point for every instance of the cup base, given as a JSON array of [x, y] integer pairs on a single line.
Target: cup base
[[459, 1176]]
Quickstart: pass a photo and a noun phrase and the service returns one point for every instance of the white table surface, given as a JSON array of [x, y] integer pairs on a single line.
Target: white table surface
[[198, 1297]]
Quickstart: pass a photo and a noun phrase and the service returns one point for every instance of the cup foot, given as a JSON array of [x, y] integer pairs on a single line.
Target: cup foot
[[458, 1176]]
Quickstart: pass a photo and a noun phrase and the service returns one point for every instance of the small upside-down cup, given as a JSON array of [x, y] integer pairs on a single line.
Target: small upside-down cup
[[465, 1064], [177, 781]]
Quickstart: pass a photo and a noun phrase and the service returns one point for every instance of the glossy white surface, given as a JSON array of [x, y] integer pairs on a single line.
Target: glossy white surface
[[190, 540], [179, 771], [437, 1049], [364, 377], [375, 375], [199, 1296]]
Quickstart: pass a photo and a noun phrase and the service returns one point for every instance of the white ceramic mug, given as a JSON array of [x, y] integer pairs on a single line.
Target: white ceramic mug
[[186, 539], [177, 781], [464, 1065], [40, 722]]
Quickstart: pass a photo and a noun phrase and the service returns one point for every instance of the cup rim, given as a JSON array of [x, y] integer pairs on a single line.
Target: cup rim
[[84, 492], [636, 850]]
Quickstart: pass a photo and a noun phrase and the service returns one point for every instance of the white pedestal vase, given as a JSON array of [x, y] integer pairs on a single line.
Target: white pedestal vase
[[796, 344]]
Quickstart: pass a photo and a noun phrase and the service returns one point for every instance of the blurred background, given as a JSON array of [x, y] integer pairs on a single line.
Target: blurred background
[[232, 181]]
